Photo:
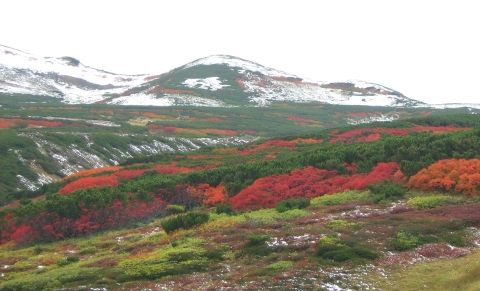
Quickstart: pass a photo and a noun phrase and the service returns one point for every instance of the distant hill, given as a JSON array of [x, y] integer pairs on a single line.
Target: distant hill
[[218, 80]]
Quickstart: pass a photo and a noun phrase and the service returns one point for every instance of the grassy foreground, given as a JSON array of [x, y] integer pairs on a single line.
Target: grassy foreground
[[342, 241]]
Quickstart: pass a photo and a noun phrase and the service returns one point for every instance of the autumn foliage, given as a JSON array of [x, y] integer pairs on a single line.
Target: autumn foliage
[[461, 176], [307, 182], [10, 122], [50, 226], [94, 171], [193, 195], [215, 195], [129, 174], [89, 182], [372, 134]]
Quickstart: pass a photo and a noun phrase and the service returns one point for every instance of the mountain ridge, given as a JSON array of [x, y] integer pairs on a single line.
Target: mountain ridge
[[248, 83]]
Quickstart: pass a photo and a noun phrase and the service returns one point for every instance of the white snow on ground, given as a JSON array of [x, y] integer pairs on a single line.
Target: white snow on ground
[[27, 183], [226, 141], [274, 90], [141, 99], [244, 65], [44, 179], [13, 58], [162, 147], [93, 160], [212, 83], [167, 100], [381, 118]]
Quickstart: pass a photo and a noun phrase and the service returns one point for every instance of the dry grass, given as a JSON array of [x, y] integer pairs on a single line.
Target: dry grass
[[461, 274]]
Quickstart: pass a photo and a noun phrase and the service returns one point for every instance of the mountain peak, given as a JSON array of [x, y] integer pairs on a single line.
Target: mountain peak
[[236, 62]]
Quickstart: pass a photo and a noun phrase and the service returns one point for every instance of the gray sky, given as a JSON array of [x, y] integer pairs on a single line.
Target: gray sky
[[428, 50]]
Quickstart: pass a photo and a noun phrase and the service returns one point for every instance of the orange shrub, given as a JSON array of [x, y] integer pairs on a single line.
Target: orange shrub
[[461, 176]]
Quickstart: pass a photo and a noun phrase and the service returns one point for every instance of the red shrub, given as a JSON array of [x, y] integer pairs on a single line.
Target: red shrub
[[370, 137], [89, 182], [166, 169], [307, 182], [129, 174]]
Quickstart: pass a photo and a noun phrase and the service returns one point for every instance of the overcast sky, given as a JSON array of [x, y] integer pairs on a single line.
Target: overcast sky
[[428, 50]]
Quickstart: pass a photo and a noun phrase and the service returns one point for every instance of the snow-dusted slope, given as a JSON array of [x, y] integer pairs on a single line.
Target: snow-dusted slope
[[260, 86], [63, 77], [73, 158]]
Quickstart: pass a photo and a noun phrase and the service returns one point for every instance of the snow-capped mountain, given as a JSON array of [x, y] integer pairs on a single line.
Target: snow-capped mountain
[[63, 77], [218, 80]]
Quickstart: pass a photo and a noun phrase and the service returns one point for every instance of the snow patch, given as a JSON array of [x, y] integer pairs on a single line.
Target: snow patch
[[212, 83], [27, 183], [141, 99]]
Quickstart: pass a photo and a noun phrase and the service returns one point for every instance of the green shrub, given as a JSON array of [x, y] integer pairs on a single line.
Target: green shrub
[[433, 201], [72, 259], [184, 221], [224, 208], [172, 224], [333, 249], [195, 218], [256, 239], [25, 201], [289, 204], [403, 241], [31, 284], [68, 260], [386, 190]]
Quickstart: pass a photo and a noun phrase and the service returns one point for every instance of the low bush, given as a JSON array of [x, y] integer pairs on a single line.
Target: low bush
[[195, 218], [433, 201], [224, 208], [172, 224], [256, 239], [68, 260], [184, 221], [386, 190], [289, 204], [339, 252], [404, 242]]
